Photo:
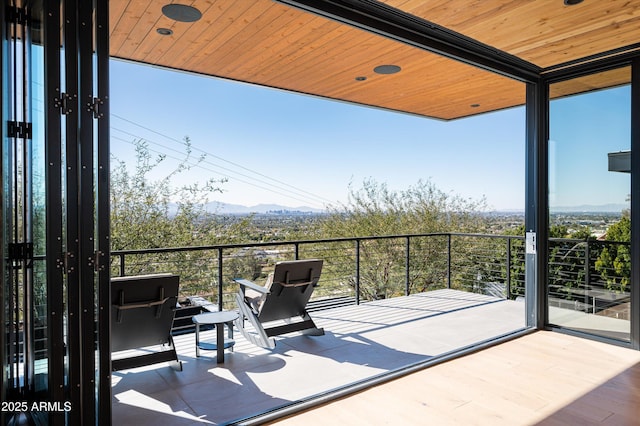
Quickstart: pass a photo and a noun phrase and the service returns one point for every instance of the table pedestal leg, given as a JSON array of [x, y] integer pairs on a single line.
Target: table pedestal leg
[[220, 343], [197, 340]]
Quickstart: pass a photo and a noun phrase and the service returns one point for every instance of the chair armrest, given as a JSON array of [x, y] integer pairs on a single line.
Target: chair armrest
[[251, 285]]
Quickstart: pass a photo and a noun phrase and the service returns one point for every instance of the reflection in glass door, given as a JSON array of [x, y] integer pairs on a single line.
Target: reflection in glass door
[[589, 204], [23, 212]]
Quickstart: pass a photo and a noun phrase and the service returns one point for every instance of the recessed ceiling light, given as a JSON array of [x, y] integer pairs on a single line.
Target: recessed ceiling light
[[572, 2], [181, 12], [164, 31], [386, 69], [361, 78]]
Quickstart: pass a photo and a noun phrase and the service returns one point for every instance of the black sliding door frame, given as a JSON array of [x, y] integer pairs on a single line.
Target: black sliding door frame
[[631, 59], [74, 377]]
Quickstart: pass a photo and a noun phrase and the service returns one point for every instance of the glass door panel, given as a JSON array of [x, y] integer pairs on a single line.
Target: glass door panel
[[589, 204]]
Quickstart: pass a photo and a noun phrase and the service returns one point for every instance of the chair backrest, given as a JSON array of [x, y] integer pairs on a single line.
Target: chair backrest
[[142, 310], [292, 286]]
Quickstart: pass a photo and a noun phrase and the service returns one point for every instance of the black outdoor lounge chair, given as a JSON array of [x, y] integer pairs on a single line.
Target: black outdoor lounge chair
[[142, 311], [273, 309]]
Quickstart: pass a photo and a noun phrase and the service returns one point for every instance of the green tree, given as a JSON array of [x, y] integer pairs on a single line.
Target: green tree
[[149, 213], [376, 210], [614, 262]]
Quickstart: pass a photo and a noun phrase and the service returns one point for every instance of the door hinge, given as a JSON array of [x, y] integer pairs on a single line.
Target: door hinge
[[21, 253], [95, 107], [19, 129], [98, 263], [64, 103], [68, 262]]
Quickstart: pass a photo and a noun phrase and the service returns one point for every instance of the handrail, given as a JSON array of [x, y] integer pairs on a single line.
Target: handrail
[[498, 266], [298, 242]]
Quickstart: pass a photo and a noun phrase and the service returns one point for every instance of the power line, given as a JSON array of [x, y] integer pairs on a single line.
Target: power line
[[288, 194], [221, 174], [208, 154]]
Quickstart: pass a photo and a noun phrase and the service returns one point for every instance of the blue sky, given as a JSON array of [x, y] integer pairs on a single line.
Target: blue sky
[[581, 135], [295, 150]]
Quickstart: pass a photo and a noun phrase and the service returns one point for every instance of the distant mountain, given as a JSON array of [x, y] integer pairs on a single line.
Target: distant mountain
[[224, 208], [590, 208]]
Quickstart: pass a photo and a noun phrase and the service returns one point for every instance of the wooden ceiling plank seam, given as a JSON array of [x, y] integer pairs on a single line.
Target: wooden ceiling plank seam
[[210, 34], [267, 50], [613, 77], [470, 72], [510, 94], [591, 82], [457, 82], [121, 33], [183, 33], [529, 17], [451, 14], [289, 48], [139, 29], [595, 43], [563, 17], [378, 18], [415, 99], [625, 53], [345, 60], [280, 54], [228, 39], [242, 37], [426, 114], [325, 43], [406, 78], [146, 25], [116, 13], [592, 33], [327, 68], [303, 49], [349, 43], [458, 87], [299, 65], [151, 40], [219, 33]]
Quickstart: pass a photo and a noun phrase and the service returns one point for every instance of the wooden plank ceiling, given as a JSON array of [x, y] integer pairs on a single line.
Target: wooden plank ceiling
[[266, 43]]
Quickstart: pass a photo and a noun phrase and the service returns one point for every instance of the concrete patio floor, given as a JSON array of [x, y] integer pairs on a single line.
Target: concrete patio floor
[[361, 342]]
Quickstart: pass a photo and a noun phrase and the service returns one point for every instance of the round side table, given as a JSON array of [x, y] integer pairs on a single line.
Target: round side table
[[219, 319]]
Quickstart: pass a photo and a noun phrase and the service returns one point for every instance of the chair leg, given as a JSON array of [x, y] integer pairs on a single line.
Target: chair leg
[[259, 338], [175, 363]]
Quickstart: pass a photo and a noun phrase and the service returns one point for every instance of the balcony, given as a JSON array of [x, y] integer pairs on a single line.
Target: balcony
[[390, 306]]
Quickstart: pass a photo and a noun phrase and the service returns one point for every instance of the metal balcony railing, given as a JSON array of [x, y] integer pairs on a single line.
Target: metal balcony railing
[[355, 269], [583, 274], [589, 276]]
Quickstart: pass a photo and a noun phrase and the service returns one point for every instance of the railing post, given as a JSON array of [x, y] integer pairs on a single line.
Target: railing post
[[448, 260], [297, 250], [121, 264], [508, 268], [357, 289], [220, 279], [587, 275], [407, 266]]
